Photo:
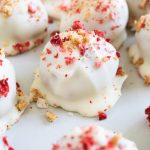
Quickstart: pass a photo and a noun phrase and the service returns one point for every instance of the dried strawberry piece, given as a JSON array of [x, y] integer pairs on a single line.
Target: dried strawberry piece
[[1, 62], [50, 20], [100, 33], [147, 112], [77, 25], [102, 116], [5, 142], [87, 142], [22, 47], [108, 40], [4, 87], [69, 60], [55, 147], [82, 50], [32, 9], [120, 72], [56, 40], [118, 54]]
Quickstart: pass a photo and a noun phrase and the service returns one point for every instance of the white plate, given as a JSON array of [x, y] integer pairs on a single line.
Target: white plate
[[34, 132]]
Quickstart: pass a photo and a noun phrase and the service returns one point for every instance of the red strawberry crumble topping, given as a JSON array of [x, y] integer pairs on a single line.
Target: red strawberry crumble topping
[[118, 54], [32, 9], [99, 33], [5, 142], [120, 72], [22, 47], [102, 116], [1, 62], [77, 25], [56, 40], [50, 20], [69, 60], [4, 87], [147, 112]]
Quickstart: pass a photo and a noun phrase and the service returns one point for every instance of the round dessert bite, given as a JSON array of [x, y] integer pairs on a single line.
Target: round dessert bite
[[137, 8], [12, 99], [23, 25], [93, 138], [78, 71], [139, 52], [108, 16], [55, 8]]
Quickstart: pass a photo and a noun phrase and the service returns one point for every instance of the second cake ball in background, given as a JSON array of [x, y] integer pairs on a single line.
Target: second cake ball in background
[[23, 25], [108, 16], [140, 51]]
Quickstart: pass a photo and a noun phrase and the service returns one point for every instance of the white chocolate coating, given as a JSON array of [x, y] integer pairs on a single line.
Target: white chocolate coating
[[140, 50], [9, 114], [137, 8], [79, 75], [92, 138], [55, 8], [107, 16], [23, 25]]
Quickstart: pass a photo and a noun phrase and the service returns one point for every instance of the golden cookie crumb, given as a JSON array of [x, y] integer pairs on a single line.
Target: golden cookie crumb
[[36, 95], [51, 117], [147, 80], [115, 139], [21, 105]]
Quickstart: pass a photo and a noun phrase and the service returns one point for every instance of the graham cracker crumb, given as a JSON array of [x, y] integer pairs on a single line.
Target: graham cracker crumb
[[51, 117], [147, 80], [138, 62], [36, 95], [115, 139], [21, 105], [7, 6]]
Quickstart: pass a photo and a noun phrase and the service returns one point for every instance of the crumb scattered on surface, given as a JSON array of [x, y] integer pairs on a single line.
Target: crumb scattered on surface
[[51, 117], [36, 95], [120, 72], [21, 105]]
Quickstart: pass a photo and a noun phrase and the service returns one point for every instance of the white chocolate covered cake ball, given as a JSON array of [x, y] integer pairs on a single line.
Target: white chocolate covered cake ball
[[12, 99], [140, 51], [93, 138], [108, 16], [137, 8], [78, 72], [23, 25], [55, 8]]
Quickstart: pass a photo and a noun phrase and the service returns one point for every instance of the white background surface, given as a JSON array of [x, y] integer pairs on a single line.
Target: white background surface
[[34, 132]]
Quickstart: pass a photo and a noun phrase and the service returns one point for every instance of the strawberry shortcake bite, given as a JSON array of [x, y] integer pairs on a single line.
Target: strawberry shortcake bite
[[55, 8], [23, 25], [139, 52], [108, 16], [12, 100], [93, 138], [79, 71]]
